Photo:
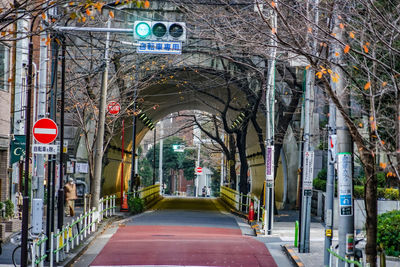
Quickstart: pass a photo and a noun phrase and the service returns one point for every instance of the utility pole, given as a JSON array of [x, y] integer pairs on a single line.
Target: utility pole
[[270, 124], [60, 205], [344, 161], [133, 165], [28, 126], [160, 158], [100, 134], [308, 155], [330, 179]]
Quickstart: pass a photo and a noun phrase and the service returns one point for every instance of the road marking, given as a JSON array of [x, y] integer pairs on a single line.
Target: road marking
[[152, 266]]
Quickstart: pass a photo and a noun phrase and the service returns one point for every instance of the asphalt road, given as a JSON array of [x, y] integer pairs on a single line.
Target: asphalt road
[[179, 232]]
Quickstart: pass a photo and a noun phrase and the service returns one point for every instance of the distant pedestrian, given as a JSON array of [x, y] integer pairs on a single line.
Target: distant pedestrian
[[208, 191], [204, 191], [70, 196]]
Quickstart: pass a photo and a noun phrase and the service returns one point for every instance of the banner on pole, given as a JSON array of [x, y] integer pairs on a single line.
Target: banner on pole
[[269, 165], [308, 170], [345, 184], [17, 148]]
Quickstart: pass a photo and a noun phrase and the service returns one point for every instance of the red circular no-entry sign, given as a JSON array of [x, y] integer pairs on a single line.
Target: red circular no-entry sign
[[113, 107], [199, 169], [45, 131]]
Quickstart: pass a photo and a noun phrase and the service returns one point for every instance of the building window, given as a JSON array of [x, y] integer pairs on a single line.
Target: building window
[[4, 68]]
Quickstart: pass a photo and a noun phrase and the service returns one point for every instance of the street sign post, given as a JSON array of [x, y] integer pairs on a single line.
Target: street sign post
[[45, 131], [199, 170], [113, 107]]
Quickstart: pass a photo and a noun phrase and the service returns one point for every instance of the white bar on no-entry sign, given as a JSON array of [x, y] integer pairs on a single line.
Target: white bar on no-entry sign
[[45, 131]]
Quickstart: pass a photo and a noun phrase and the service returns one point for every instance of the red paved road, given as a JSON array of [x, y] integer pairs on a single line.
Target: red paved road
[[182, 246]]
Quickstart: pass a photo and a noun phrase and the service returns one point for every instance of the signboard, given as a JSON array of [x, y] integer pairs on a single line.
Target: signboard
[[44, 149], [308, 170], [45, 131], [17, 148], [159, 47], [345, 186], [113, 107], [269, 165], [178, 148], [199, 170], [82, 167]]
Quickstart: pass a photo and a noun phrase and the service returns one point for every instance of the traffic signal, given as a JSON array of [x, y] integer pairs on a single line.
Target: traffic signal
[[160, 31]]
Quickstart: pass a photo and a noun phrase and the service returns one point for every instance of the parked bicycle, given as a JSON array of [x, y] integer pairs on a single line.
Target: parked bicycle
[[16, 239]]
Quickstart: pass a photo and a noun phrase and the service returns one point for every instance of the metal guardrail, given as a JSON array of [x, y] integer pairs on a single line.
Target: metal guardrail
[[72, 234], [234, 199], [148, 194]]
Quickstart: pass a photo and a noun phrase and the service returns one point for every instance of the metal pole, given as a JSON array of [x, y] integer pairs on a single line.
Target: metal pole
[[25, 211], [154, 156], [269, 141], [304, 245], [52, 159], [308, 161], [122, 161], [160, 158], [344, 163], [100, 134], [60, 205], [330, 179], [197, 174], [133, 168]]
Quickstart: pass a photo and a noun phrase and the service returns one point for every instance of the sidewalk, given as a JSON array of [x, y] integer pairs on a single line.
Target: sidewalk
[[8, 247], [284, 229]]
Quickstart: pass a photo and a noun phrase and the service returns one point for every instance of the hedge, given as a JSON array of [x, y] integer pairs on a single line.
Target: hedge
[[383, 193], [389, 232]]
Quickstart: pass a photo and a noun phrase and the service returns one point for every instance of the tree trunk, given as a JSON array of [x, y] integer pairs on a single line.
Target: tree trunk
[[232, 162], [370, 200]]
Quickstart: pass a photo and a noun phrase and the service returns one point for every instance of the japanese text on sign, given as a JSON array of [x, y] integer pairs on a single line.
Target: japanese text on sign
[[308, 169], [345, 184], [44, 149], [159, 47], [269, 164]]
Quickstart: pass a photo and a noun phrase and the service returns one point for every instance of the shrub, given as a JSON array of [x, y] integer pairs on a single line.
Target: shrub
[[389, 232], [9, 209], [319, 184], [381, 176], [391, 194], [358, 191], [135, 204], [322, 174]]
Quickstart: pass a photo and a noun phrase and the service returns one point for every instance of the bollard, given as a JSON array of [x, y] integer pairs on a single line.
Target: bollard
[[51, 253], [296, 233], [67, 238], [42, 252], [57, 245], [33, 253]]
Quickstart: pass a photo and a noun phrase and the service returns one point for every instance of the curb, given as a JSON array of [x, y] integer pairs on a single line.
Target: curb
[[69, 261], [291, 255]]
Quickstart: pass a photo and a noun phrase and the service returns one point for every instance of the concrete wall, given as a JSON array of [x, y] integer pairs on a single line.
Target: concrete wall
[[359, 209]]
